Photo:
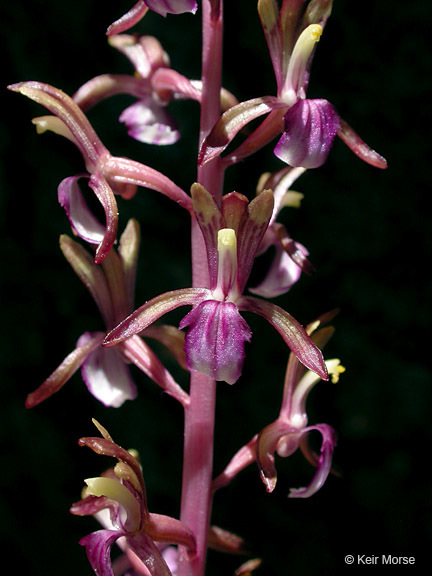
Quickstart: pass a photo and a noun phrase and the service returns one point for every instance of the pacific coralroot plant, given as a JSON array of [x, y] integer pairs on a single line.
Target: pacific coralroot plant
[[229, 229]]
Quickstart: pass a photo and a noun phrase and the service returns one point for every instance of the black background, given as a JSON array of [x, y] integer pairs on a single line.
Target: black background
[[368, 234]]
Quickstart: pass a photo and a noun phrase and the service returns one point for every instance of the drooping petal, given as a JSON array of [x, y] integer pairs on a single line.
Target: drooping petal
[[324, 462], [232, 121], [164, 7], [360, 148], [82, 220], [148, 122], [267, 443], [107, 376], [98, 549], [310, 127], [153, 310], [291, 331], [281, 276], [66, 369], [215, 340]]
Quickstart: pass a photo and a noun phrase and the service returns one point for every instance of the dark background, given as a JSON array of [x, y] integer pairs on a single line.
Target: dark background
[[368, 234]]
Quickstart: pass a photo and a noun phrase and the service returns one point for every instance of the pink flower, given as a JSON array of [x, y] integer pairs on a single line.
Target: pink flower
[[308, 126], [290, 430], [106, 371], [154, 84], [107, 175], [216, 330], [118, 500]]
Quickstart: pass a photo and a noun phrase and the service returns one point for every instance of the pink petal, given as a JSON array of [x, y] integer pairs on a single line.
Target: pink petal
[[107, 376], [98, 548], [310, 127], [267, 443], [324, 462], [282, 275], [164, 7], [82, 220], [148, 122], [215, 340]]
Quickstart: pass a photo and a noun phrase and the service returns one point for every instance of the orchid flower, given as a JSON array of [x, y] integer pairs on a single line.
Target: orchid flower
[[290, 430], [107, 175], [118, 500], [290, 257], [154, 84], [105, 371], [216, 335], [140, 9], [308, 126]]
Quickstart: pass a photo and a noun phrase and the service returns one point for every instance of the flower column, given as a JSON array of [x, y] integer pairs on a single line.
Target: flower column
[[199, 414]]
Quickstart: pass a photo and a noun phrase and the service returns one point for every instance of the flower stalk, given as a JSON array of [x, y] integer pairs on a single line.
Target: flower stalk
[[196, 497]]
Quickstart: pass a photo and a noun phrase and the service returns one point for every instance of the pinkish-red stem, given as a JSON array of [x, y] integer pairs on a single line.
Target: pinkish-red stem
[[196, 499]]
